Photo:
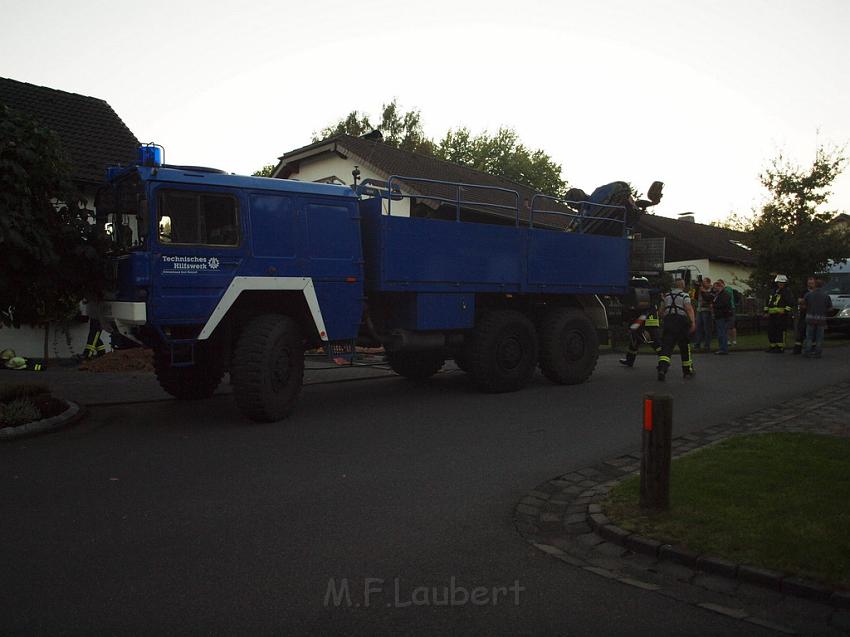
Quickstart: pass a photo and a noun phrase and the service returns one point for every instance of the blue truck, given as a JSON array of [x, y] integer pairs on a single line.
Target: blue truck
[[221, 273]]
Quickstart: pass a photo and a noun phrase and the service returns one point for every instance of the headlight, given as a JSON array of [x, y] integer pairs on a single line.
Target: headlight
[[845, 313]]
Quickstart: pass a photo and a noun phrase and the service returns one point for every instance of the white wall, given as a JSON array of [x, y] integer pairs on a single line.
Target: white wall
[[29, 341], [734, 275], [320, 168]]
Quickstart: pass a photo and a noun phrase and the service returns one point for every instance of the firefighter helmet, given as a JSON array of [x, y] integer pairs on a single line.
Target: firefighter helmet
[[17, 362], [7, 354], [780, 278]]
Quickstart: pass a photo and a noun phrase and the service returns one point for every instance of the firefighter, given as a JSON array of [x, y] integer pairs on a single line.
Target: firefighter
[[677, 324], [778, 310], [12, 361], [643, 328], [94, 346]]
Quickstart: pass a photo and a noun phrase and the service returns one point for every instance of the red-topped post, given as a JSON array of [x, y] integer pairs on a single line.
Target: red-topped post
[[656, 452]]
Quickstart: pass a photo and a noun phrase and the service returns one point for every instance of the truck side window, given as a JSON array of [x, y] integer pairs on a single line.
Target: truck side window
[[190, 217]]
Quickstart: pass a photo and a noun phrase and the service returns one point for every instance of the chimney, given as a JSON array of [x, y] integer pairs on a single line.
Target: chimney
[[687, 217]]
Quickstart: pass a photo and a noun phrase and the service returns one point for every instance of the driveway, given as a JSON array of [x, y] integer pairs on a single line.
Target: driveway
[[181, 517]]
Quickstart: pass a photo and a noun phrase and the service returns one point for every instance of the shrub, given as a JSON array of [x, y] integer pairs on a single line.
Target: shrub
[[19, 412], [48, 406]]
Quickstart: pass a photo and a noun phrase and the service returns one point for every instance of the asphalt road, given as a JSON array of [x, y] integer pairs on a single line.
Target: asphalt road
[[182, 518]]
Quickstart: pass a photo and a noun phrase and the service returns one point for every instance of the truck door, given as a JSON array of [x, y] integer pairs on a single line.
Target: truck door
[[199, 246]]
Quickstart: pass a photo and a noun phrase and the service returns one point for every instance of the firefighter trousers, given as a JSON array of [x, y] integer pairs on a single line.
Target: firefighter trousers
[[675, 334], [649, 335], [776, 331]]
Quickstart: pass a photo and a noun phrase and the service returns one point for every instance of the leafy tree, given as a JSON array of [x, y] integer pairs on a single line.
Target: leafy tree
[[354, 123], [265, 171], [792, 234], [399, 130], [503, 154], [50, 253], [500, 154]]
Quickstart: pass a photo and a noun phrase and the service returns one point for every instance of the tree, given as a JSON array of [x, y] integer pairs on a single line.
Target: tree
[[504, 155], [354, 123], [501, 154], [399, 130], [265, 171], [792, 234], [51, 255]]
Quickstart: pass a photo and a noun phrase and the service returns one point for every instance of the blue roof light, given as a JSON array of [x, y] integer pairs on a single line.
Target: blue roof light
[[150, 155]]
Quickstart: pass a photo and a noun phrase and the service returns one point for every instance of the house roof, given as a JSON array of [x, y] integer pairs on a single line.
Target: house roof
[[687, 240], [92, 134], [387, 160]]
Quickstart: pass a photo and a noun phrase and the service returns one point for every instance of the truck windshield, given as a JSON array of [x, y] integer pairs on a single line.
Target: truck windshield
[[837, 283], [123, 214]]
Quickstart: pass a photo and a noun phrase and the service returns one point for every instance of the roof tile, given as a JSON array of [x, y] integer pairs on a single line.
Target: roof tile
[[92, 134]]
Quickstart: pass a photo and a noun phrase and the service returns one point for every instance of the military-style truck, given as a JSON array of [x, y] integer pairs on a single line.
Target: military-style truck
[[224, 273]]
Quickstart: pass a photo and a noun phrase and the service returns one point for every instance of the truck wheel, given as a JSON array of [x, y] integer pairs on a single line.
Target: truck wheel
[[188, 383], [416, 365], [569, 346], [268, 367], [503, 352]]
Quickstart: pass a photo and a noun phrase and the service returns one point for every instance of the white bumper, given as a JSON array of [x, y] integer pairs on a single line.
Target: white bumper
[[119, 316]]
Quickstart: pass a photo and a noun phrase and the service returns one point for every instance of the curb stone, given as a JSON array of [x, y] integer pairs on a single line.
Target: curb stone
[[72, 414], [582, 491]]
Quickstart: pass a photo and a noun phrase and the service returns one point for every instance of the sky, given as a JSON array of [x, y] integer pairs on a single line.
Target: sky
[[700, 94]]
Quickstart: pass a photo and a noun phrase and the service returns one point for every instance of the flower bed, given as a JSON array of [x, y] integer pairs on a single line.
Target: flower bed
[[22, 403]]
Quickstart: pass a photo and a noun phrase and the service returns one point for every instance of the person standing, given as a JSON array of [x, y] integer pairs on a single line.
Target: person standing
[[816, 303], [778, 309], [723, 312], [677, 323], [705, 320], [733, 331], [801, 318]]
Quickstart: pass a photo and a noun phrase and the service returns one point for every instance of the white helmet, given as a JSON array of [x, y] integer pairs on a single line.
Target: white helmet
[[780, 278]]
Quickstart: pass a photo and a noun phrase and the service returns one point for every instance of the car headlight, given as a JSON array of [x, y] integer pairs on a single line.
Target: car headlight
[[845, 313]]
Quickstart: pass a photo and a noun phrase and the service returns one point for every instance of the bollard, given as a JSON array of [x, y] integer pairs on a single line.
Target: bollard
[[656, 451]]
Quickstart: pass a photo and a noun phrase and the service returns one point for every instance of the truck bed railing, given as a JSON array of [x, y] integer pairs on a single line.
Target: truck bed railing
[[580, 220], [458, 199]]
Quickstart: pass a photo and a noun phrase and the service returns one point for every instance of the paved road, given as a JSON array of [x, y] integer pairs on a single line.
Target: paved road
[[182, 518]]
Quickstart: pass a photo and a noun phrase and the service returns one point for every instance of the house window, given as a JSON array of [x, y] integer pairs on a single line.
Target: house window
[[188, 217]]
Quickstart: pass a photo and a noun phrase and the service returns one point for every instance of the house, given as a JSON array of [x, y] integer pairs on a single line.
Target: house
[[93, 137], [840, 221], [718, 253], [333, 160]]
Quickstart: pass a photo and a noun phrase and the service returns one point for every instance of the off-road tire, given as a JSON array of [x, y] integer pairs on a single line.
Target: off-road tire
[[189, 383], [268, 367], [503, 351], [569, 346], [416, 365]]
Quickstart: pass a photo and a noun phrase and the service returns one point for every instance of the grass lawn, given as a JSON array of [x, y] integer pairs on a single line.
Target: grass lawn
[[780, 501]]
